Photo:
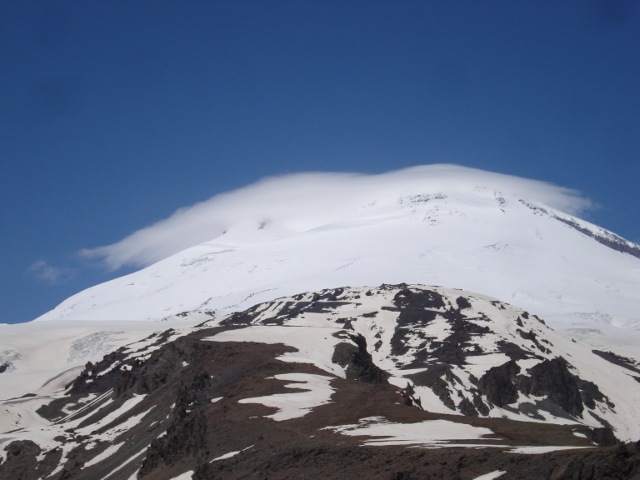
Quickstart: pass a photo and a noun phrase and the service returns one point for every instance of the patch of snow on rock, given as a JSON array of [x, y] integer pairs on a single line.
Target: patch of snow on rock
[[316, 391]]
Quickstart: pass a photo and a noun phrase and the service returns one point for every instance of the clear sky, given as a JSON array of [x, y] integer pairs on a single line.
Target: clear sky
[[115, 114]]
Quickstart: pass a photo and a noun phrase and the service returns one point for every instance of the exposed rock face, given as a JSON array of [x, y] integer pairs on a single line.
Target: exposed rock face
[[21, 459], [622, 462], [187, 433], [358, 361], [499, 384], [552, 379], [608, 239]]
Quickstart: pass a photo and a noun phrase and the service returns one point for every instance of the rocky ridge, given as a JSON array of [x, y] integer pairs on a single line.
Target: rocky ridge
[[397, 381]]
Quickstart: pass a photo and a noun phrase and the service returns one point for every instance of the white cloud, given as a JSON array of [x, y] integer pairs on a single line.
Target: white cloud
[[49, 274], [300, 202]]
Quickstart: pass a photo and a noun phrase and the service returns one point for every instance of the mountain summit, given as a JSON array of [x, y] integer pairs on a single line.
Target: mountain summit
[[510, 238]]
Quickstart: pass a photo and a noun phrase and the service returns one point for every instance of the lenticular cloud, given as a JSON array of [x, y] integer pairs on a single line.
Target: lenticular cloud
[[305, 201]]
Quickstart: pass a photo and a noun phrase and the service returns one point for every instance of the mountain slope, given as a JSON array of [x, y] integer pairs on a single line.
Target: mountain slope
[[459, 352], [340, 382], [438, 225]]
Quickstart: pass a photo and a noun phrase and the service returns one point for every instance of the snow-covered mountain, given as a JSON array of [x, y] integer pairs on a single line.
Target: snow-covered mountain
[[436, 225], [250, 327]]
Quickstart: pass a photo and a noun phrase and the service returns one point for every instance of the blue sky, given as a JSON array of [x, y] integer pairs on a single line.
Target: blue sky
[[115, 114]]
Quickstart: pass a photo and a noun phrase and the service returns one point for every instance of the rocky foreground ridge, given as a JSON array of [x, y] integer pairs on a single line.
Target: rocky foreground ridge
[[394, 382]]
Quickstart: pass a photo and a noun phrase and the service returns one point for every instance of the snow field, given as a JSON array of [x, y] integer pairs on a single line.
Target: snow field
[[431, 433], [69, 346], [230, 454], [111, 417], [316, 391], [184, 476], [491, 475], [110, 450], [136, 455]]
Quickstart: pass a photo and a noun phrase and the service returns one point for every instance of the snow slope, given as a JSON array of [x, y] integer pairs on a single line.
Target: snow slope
[[41, 358], [437, 225]]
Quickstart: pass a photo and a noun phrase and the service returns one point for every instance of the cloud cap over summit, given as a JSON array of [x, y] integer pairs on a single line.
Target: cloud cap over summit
[[304, 201]]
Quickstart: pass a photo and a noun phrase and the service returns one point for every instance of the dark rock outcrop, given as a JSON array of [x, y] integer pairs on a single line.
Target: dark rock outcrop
[[21, 462], [619, 463], [358, 362], [553, 380], [498, 384]]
